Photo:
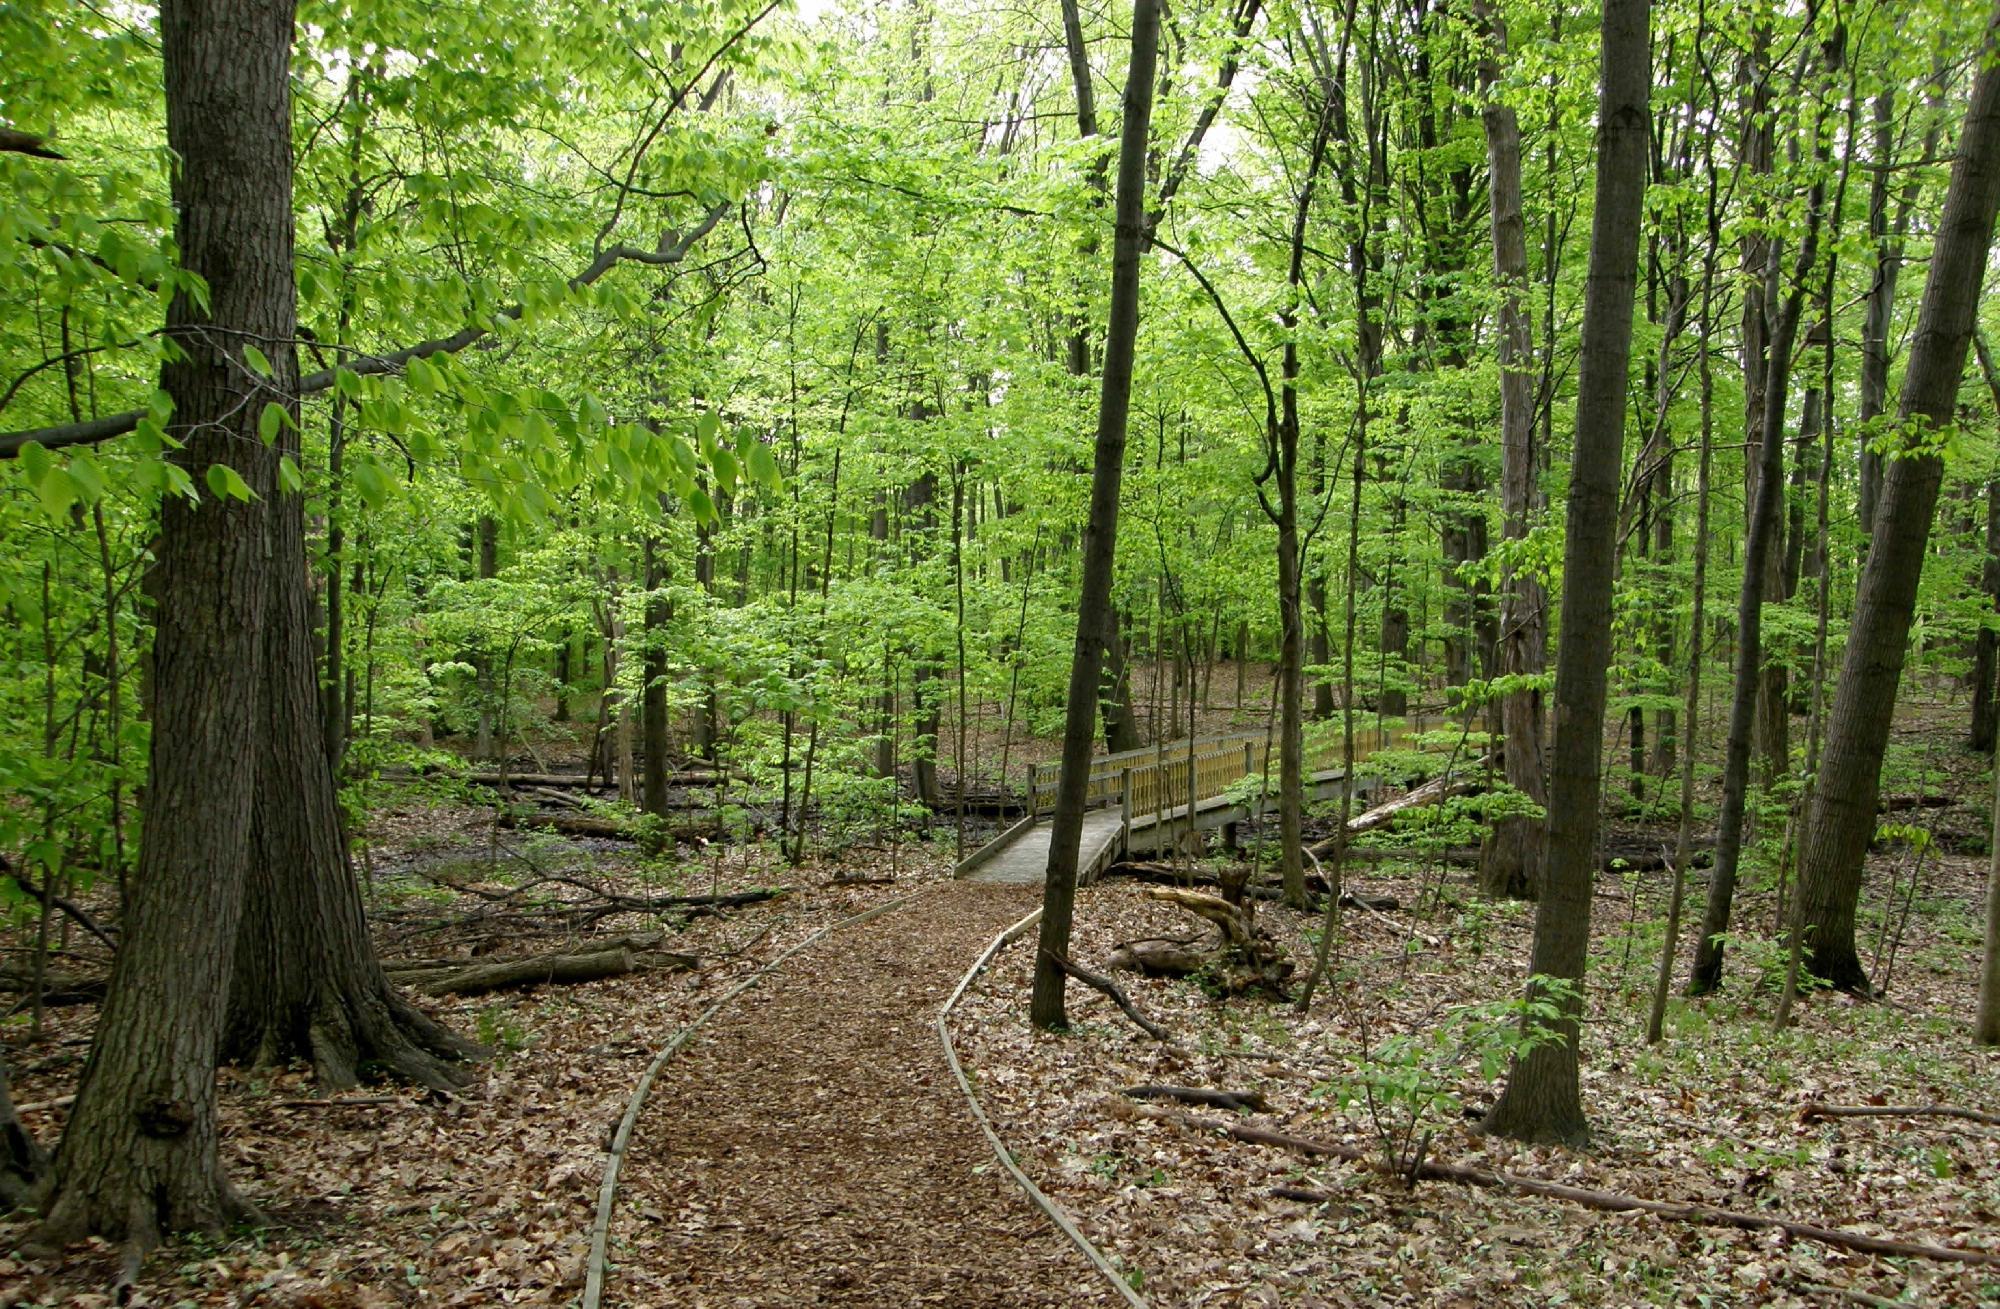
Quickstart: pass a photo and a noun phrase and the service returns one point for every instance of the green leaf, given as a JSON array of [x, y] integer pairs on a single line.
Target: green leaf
[[289, 476], [271, 421], [258, 361], [225, 481]]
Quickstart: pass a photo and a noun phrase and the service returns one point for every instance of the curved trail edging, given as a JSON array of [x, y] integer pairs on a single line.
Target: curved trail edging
[[1034, 1193], [614, 1156]]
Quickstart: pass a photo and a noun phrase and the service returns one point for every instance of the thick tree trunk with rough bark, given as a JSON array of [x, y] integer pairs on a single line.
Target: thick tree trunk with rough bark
[[22, 1159], [306, 980], [139, 1156], [1510, 861], [1100, 537], [1842, 820], [1543, 1100]]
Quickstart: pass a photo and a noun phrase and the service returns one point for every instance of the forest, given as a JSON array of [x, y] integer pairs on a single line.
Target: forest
[[999, 653]]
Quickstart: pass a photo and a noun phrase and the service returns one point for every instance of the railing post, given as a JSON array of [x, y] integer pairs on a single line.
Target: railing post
[[1125, 810]]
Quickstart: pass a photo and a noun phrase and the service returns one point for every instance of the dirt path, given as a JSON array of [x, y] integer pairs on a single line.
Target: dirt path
[[812, 1148]]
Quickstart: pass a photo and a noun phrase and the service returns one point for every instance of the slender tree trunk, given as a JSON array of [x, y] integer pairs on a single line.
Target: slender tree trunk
[[1986, 1025], [139, 1155], [1510, 860], [487, 534], [1101, 531], [1321, 652], [1754, 689], [1985, 644], [1842, 819], [653, 692], [1542, 1100]]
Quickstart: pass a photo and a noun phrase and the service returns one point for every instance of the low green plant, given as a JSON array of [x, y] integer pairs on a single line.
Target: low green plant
[[1409, 1084], [498, 1029]]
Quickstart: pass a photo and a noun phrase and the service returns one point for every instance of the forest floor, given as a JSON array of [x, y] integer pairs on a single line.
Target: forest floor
[[390, 1196], [809, 1147], [1711, 1115]]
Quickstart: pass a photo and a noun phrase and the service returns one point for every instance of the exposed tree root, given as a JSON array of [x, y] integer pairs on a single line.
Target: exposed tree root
[[1104, 985]]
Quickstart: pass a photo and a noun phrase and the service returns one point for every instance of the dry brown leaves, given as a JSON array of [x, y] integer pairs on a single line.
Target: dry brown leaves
[[1709, 1116], [481, 1199]]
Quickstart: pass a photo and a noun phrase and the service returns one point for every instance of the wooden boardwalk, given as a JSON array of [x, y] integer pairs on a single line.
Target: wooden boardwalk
[[1133, 791], [1019, 857]]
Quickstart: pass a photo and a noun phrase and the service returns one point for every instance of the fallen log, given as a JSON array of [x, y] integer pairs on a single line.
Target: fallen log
[[566, 781], [1105, 986], [75, 912], [1159, 958], [1228, 919], [535, 971], [1439, 788], [1892, 803], [567, 824], [57, 988], [1813, 1109], [1159, 874], [1243, 1100], [1590, 1198]]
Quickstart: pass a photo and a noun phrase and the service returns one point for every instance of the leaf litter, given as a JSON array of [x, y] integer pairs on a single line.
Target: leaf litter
[[1712, 1115]]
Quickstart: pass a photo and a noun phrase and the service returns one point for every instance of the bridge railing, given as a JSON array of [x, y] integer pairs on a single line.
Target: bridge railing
[[1156, 779]]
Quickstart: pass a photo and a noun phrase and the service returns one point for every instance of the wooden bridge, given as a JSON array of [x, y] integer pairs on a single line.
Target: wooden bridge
[[1142, 801]]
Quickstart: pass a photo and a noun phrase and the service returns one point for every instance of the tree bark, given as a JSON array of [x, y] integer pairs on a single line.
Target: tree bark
[[139, 1156], [1986, 1024], [1510, 861], [306, 980], [653, 689], [1542, 1100], [22, 1160], [1987, 642], [1842, 819], [1100, 536]]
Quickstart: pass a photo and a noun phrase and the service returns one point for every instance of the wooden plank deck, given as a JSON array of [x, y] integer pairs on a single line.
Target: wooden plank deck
[[1023, 853], [1020, 855]]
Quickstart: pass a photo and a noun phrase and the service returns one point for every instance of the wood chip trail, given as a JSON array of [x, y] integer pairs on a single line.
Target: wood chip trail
[[811, 1147]]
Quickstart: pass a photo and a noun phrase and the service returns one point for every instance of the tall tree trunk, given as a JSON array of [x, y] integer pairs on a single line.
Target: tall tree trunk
[[1749, 691], [1887, 236], [1542, 1100], [139, 1155], [653, 690], [1121, 724], [1986, 1024], [1510, 860], [1842, 819], [1321, 651], [1100, 535], [1984, 645], [1284, 464], [487, 535]]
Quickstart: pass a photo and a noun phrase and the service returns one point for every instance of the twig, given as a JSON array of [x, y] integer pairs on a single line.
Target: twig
[[1813, 1109], [1850, 1294], [1241, 1100], [1609, 1201]]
